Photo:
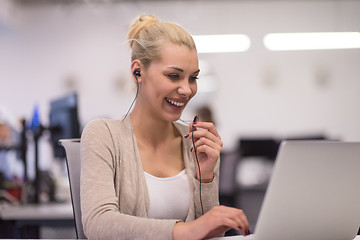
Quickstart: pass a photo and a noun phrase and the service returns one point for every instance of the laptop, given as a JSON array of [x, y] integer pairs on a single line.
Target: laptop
[[313, 193]]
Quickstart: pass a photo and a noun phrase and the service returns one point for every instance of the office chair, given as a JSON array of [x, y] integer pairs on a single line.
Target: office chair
[[72, 149]]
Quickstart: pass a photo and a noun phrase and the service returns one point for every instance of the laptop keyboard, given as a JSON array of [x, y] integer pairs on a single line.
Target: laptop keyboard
[[237, 237]]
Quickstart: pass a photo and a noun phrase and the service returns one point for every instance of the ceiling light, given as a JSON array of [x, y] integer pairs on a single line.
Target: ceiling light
[[222, 43], [311, 41]]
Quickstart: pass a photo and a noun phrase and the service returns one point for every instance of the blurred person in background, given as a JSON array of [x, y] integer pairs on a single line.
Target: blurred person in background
[[205, 114]]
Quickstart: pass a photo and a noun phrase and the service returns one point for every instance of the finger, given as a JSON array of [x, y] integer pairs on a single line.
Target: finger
[[243, 226], [190, 135], [235, 222], [246, 222], [238, 216], [192, 127], [207, 142], [243, 222], [206, 134], [207, 158], [208, 126], [228, 222]]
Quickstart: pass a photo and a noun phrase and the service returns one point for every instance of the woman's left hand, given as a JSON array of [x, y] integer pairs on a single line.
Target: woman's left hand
[[208, 146]]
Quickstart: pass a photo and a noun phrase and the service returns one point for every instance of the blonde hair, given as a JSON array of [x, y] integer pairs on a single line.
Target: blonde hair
[[147, 34]]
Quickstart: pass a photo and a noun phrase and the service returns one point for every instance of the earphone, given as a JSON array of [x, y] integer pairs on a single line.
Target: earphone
[[136, 74]]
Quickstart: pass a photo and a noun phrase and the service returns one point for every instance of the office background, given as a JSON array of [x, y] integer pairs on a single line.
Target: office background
[[51, 48]]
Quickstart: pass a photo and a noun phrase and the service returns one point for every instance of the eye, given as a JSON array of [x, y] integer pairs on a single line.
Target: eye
[[173, 76], [193, 78]]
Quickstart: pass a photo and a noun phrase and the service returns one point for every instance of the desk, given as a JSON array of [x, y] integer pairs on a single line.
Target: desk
[[36, 215], [37, 212], [251, 237], [223, 238]]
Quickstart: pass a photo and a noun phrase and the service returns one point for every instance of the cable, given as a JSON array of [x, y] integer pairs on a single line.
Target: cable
[[196, 158], [137, 92], [197, 161], [192, 138]]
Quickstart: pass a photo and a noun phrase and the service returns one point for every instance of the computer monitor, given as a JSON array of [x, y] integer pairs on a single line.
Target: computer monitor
[[64, 121], [260, 147]]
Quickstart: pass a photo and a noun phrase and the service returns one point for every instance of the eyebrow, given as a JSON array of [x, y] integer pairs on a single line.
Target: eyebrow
[[182, 70]]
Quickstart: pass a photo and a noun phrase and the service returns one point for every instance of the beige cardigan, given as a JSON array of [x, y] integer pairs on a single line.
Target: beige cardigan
[[114, 194]]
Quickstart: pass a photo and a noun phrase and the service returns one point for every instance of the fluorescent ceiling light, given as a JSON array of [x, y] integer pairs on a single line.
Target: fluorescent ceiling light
[[312, 41], [222, 43]]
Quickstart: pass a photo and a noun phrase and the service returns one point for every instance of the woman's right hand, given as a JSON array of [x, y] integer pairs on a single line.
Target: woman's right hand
[[212, 224]]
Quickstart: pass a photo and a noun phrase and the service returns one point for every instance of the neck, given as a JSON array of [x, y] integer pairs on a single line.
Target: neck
[[150, 129]]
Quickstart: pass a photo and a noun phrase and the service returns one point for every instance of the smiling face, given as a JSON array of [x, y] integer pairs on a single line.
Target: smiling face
[[168, 84]]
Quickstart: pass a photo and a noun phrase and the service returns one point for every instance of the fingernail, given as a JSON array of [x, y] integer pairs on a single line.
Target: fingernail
[[186, 136], [192, 149], [247, 232], [194, 123], [239, 227]]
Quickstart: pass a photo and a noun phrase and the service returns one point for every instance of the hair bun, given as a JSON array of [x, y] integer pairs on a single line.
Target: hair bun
[[147, 18], [139, 24]]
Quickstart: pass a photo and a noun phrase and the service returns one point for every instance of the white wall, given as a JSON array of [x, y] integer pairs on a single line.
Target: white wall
[[260, 92]]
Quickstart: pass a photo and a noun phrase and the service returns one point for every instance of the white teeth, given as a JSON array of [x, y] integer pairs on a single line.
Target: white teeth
[[179, 104]]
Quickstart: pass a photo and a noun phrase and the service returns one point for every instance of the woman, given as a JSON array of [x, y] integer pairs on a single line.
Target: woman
[[139, 179]]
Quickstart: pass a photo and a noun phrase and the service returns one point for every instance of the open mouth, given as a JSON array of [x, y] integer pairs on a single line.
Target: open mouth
[[175, 103]]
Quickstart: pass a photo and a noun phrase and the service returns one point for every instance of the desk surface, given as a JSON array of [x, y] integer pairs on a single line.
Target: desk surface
[[48, 211], [223, 238], [250, 237]]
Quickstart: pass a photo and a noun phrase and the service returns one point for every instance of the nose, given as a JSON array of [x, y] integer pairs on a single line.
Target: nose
[[185, 88]]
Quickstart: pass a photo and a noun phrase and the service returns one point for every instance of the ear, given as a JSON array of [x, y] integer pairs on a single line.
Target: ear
[[136, 67]]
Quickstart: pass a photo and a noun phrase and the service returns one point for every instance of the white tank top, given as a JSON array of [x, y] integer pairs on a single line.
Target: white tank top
[[169, 197]]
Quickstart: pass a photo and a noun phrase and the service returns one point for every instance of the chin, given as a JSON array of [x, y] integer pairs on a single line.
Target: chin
[[173, 117]]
